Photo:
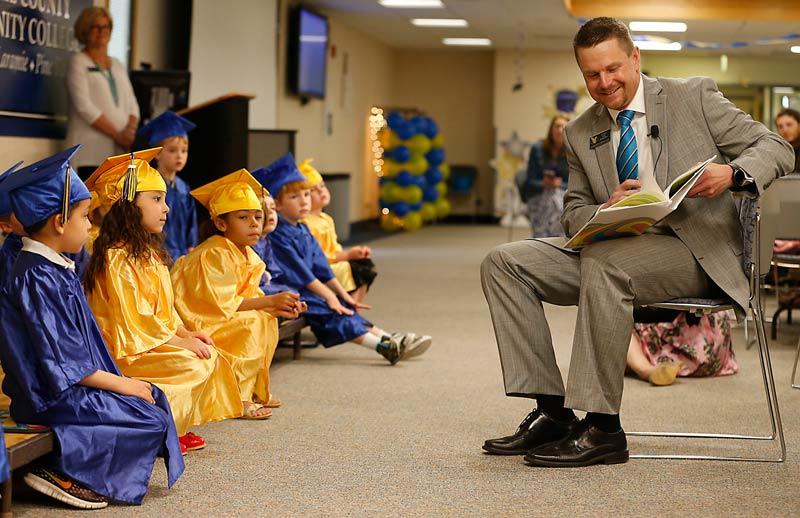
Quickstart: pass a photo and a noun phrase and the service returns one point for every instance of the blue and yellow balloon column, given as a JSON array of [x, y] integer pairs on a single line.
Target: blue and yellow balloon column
[[413, 182]]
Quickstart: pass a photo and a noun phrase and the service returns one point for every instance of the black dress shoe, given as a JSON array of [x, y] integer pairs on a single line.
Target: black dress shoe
[[585, 446], [535, 430]]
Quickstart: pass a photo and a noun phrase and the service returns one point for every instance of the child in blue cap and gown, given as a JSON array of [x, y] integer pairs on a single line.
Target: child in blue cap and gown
[[109, 429], [169, 132], [304, 269]]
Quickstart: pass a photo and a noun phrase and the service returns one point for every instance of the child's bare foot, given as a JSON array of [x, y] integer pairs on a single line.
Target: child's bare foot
[[255, 411]]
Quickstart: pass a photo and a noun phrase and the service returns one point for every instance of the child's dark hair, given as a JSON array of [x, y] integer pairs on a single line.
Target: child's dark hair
[[122, 228], [37, 227], [207, 228]]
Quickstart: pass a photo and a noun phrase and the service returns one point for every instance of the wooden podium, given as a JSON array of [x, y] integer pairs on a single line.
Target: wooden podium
[[219, 143]]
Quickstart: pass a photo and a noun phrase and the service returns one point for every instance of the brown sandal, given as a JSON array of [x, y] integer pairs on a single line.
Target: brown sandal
[[251, 412]]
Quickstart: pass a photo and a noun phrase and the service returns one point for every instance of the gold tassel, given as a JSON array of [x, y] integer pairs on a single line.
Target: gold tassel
[[65, 197], [131, 181]]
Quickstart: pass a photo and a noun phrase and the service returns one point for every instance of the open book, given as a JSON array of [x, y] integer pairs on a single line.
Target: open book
[[633, 215]]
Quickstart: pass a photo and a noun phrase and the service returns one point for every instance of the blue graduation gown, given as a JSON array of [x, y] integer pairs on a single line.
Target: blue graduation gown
[[268, 285], [301, 261], [13, 244], [4, 471], [180, 231], [49, 342], [8, 254]]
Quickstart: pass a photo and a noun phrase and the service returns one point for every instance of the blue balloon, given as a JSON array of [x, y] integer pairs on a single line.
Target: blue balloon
[[401, 154], [383, 180], [432, 130], [415, 206], [435, 156], [400, 208], [433, 176], [394, 119], [404, 130], [431, 194], [404, 178], [462, 184], [419, 124], [420, 181], [384, 204]]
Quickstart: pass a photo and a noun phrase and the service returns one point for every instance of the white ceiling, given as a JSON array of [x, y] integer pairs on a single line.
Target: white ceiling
[[534, 24]]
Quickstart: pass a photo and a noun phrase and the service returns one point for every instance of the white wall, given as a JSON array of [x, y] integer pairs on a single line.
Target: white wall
[[233, 50]]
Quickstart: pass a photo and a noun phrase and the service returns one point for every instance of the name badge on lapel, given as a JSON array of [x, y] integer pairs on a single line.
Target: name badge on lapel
[[599, 139]]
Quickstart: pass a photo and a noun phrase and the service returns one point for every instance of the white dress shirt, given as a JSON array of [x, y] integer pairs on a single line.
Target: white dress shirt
[[36, 247], [640, 129]]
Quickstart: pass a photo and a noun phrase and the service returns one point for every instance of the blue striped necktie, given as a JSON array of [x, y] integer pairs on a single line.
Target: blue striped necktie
[[627, 153]]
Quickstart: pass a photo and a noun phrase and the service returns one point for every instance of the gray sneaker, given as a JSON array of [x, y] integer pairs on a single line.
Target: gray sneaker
[[392, 350], [416, 345]]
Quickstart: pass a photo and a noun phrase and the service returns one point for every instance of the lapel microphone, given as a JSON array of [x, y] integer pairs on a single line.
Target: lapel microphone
[[654, 134]]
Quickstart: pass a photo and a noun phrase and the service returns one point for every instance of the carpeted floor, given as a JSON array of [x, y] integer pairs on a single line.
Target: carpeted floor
[[358, 437]]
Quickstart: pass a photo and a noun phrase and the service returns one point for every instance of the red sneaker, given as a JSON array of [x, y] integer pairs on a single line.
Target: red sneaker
[[192, 442], [184, 451]]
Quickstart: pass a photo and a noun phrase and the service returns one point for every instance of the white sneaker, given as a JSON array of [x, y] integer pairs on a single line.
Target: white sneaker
[[414, 345]]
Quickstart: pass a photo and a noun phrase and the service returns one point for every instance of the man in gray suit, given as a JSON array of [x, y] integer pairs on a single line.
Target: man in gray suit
[[641, 134]]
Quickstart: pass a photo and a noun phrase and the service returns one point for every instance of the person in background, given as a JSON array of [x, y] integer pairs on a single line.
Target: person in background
[[546, 181], [103, 112], [169, 131], [681, 344], [788, 125], [353, 267]]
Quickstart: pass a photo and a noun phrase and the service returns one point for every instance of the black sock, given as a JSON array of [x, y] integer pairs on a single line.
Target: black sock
[[608, 423], [553, 406]]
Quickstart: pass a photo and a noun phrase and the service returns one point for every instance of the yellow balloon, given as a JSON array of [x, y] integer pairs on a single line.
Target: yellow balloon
[[428, 211], [442, 208], [417, 165], [390, 168], [389, 192], [419, 144], [445, 170], [412, 194], [442, 188], [389, 222], [412, 221], [384, 137], [438, 141]]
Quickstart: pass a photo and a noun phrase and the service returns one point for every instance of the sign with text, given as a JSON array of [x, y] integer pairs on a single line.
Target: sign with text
[[36, 41]]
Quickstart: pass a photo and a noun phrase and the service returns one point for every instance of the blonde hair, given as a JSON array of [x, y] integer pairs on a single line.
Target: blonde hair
[[293, 187], [83, 25]]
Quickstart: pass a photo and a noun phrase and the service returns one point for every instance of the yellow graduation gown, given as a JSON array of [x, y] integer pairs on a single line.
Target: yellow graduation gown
[[94, 231], [134, 307], [323, 228], [210, 284]]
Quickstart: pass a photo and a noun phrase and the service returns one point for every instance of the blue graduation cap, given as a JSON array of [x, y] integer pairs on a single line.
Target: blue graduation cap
[[167, 125], [45, 188], [280, 172], [5, 201]]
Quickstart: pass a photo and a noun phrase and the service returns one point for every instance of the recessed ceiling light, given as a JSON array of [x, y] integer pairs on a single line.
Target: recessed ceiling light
[[479, 42], [795, 49], [658, 26], [439, 22], [657, 45], [409, 4]]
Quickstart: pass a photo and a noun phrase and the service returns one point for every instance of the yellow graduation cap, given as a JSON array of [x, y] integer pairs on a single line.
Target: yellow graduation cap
[[122, 176], [235, 191], [313, 178]]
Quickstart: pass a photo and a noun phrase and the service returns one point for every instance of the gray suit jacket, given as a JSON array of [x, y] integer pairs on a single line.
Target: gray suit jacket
[[695, 122]]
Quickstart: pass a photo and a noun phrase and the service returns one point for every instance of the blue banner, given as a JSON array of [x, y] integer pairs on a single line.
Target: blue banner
[[36, 40]]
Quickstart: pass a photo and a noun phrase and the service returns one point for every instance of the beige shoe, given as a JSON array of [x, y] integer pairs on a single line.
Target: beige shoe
[[664, 373]]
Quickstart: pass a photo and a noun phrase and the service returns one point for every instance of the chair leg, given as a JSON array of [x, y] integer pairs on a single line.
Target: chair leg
[[297, 346], [5, 503], [794, 369], [772, 404], [789, 316]]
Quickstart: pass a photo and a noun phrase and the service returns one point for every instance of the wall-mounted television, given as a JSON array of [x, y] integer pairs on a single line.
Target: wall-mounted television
[[308, 49]]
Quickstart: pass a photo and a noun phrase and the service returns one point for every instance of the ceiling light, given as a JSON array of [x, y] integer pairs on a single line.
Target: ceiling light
[[658, 26], [795, 49], [439, 22], [408, 4], [657, 45], [479, 42]]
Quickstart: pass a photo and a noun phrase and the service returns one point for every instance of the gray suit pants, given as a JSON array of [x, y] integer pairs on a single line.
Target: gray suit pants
[[606, 280]]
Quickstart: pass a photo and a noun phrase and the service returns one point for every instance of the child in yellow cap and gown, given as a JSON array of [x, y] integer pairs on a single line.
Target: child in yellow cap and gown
[[217, 288], [130, 292]]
